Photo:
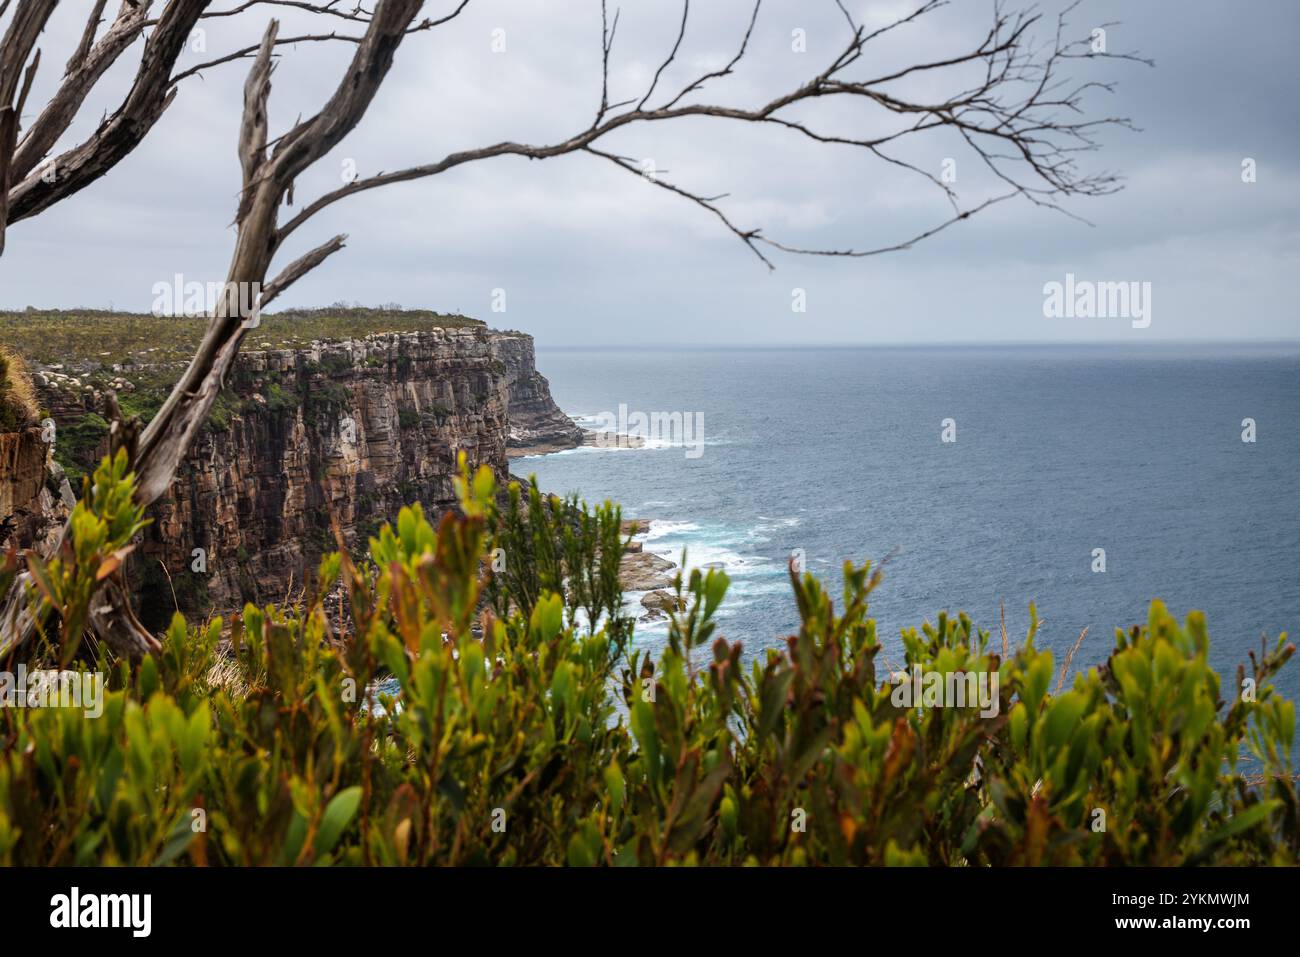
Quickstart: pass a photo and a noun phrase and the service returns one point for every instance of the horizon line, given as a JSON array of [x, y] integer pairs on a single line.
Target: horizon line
[[919, 344]]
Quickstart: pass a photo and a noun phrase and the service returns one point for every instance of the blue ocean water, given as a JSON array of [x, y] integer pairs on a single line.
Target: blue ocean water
[[1059, 450]]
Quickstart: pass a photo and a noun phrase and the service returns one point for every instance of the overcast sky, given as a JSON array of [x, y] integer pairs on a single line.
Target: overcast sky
[[589, 254]]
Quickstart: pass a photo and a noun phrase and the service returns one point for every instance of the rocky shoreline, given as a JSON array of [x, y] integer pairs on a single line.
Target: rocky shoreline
[[642, 571], [555, 438], [639, 570]]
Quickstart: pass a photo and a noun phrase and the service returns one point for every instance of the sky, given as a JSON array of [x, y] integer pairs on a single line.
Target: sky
[[587, 254]]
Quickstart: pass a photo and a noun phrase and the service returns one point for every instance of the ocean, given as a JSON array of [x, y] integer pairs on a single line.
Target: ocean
[[1053, 452]]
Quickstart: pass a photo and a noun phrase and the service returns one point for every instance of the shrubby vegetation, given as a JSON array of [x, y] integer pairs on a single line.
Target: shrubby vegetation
[[17, 400], [526, 728]]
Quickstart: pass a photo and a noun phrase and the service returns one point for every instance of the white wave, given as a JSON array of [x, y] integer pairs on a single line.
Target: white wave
[[579, 450], [660, 527], [705, 555], [788, 522]]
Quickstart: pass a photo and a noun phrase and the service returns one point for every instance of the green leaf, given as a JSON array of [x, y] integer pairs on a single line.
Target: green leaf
[[338, 815]]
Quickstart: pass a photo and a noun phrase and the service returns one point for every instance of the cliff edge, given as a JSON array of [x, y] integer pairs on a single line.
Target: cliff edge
[[537, 425], [305, 439]]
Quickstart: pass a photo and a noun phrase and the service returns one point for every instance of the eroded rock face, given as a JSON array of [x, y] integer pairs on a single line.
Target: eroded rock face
[[22, 476], [536, 424], [338, 433], [35, 499]]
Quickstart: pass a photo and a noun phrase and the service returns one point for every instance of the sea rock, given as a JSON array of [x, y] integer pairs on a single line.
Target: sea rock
[[611, 440], [645, 571], [662, 601]]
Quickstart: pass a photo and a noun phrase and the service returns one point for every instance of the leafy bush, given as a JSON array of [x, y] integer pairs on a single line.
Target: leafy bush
[[77, 445], [474, 698]]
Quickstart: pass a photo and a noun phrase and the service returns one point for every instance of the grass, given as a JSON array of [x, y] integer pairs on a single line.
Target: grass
[[77, 445], [18, 407], [97, 337]]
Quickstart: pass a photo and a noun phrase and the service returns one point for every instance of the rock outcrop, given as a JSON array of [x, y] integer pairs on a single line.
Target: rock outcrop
[[536, 424], [24, 501]]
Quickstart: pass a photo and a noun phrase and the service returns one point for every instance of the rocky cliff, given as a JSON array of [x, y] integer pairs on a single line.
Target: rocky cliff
[[34, 496], [338, 432], [536, 423], [26, 503]]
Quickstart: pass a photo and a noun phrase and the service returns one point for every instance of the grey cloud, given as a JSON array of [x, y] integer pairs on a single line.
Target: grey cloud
[[590, 254]]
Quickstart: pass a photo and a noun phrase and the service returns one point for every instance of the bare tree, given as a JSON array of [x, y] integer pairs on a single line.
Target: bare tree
[[16, 75], [28, 190], [1021, 119]]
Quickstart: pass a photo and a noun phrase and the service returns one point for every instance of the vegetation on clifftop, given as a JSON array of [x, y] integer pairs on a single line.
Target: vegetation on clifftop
[[525, 728], [72, 337]]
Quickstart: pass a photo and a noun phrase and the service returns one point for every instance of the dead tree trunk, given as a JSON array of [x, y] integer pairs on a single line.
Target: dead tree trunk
[[266, 180]]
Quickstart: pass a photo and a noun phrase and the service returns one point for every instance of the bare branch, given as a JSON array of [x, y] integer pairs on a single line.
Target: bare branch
[[150, 95], [252, 131], [357, 15], [681, 35], [606, 45], [248, 51], [15, 83], [172, 429], [88, 35], [245, 52], [1018, 104], [731, 64], [84, 71], [300, 267], [748, 237]]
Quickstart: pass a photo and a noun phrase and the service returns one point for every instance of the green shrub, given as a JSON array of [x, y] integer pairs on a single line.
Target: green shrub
[[519, 724], [77, 444], [276, 401]]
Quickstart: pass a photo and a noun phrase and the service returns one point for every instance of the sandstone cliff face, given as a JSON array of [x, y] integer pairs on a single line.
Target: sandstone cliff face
[[23, 457], [344, 432], [536, 423]]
